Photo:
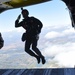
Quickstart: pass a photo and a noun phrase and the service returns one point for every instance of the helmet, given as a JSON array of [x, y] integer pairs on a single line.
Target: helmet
[[24, 11]]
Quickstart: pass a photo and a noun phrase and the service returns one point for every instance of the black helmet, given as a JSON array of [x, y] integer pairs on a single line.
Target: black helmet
[[24, 11]]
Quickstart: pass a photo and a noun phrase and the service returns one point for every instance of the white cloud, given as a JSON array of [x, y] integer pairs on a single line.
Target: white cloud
[[52, 34], [66, 58], [59, 50], [63, 54], [59, 33], [69, 31]]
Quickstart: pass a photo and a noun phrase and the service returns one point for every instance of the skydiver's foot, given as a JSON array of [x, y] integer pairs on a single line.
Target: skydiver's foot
[[43, 60], [38, 59]]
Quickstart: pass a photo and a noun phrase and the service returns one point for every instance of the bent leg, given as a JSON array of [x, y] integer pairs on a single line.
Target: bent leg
[[34, 47], [37, 51], [27, 48]]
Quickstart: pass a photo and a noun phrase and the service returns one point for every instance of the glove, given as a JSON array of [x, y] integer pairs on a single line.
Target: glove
[[19, 17]]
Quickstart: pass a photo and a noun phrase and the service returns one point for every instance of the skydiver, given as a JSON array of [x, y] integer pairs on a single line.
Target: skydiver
[[33, 28], [1, 41]]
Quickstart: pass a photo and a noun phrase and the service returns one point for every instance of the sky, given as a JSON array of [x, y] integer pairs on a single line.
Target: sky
[[50, 13], [58, 36]]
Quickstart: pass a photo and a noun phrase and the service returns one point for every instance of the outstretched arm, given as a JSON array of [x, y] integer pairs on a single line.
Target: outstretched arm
[[17, 23]]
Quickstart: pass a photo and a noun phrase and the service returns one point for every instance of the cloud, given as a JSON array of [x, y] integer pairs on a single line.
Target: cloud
[[58, 47], [69, 31], [52, 34], [61, 46], [66, 58], [55, 33], [64, 54]]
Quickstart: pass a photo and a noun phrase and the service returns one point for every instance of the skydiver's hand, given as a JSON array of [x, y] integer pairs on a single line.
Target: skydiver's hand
[[19, 17]]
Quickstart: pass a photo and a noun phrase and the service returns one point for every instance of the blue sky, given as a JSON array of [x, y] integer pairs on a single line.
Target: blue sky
[[50, 13]]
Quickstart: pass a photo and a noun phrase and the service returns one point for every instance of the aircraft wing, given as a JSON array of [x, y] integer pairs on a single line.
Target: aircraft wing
[[10, 4], [71, 6]]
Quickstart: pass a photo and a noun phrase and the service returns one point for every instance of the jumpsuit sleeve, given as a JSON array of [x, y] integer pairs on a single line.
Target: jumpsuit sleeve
[[18, 24]]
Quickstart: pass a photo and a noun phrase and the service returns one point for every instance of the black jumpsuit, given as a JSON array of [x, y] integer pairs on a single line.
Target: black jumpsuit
[[33, 28]]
